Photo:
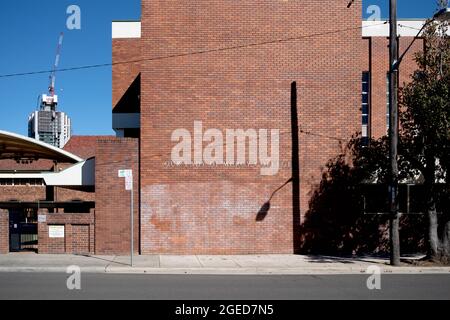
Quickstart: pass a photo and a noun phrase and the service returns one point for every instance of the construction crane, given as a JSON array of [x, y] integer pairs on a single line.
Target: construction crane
[[51, 88], [46, 123]]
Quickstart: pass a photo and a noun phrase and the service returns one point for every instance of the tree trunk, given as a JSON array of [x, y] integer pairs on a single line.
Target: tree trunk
[[433, 236], [446, 244]]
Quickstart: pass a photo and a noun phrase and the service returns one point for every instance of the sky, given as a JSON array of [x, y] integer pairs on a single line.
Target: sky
[[29, 32]]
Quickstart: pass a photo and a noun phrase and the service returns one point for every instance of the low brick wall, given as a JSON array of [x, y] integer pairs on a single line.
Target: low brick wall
[[78, 237], [112, 201], [4, 231]]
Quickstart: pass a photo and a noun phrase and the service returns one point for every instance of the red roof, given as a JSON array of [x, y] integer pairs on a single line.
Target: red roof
[[83, 146]]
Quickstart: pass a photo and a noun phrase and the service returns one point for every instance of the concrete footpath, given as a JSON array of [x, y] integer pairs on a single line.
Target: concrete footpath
[[208, 264]]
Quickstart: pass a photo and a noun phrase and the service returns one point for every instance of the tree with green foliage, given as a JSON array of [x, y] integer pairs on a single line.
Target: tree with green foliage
[[423, 158], [424, 138], [425, 131]]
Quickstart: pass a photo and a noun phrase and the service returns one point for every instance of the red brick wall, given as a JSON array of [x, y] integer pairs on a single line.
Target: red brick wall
[[10, 165], [80, 239], [408, 64], [83, 146], [34, 193], [67, 194], [124, 74], [4, 231], [366, 43], [112, 220], [379, 69], [51, 245], [79, 233], [213, 209], [22, 193]]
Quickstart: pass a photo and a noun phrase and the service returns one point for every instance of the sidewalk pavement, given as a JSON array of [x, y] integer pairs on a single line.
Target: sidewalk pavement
[[207, 264]]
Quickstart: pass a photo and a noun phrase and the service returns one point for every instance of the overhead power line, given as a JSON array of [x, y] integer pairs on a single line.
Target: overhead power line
[[408, 27], [249, 45]]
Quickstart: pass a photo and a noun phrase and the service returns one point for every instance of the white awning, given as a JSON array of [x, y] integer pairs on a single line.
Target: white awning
[[17, 147]]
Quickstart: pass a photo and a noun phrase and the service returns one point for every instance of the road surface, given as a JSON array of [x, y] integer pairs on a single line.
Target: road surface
[[204, 287]]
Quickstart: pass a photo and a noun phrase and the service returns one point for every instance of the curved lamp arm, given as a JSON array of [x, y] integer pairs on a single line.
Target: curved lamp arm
[[441, 15], [400, 59]]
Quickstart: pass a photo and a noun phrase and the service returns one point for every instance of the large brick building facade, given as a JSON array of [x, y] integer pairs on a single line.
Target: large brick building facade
[[214, 209], [231, 65], [208, 67]]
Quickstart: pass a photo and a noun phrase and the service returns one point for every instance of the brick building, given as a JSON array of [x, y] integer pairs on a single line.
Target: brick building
[[282, 73], [53, 201], [230, 65]]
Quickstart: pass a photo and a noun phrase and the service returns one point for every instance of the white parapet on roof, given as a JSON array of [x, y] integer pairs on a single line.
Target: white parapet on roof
[[406, 28], [126, 29]]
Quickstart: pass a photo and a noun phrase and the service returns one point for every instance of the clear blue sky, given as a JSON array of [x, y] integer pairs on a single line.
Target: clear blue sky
[[29, 31]]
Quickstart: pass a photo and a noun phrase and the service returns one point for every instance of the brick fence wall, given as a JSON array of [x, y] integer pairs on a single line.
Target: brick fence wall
[[79, 233], [4, 231], [112, 224]]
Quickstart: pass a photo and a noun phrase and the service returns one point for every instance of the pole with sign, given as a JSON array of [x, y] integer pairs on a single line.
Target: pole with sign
[[128, 175]]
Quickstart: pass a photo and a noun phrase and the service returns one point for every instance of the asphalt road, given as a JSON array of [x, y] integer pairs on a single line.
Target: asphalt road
[[201, 287]]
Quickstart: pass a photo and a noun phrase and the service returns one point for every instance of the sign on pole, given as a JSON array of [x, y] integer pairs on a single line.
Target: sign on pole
[[128, 175], [125, 173]]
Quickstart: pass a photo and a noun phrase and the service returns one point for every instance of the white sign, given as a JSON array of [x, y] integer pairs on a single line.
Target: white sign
[[56, 231], [42, 218], [125, 173]]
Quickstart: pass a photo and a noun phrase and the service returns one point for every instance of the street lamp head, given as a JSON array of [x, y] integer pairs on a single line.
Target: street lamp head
[[442, 15]]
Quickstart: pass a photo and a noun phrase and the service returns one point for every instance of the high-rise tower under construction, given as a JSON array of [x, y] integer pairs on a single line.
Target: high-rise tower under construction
[[46, 124]]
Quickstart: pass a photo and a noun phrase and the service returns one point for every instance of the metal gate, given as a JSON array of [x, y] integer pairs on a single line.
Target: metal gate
[[23, 230]]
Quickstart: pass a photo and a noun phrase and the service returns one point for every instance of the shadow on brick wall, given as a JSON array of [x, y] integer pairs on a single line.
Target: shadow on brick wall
[[296, 222], [335, 222], [295, 178]]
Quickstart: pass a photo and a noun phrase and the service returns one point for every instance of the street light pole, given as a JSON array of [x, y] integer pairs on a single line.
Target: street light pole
[[393, 136]]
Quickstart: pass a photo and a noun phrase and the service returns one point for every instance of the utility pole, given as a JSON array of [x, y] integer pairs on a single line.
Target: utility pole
[[393, 136]]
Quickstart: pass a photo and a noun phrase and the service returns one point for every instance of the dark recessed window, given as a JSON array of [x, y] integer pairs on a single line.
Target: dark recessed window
[[365, 104]]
